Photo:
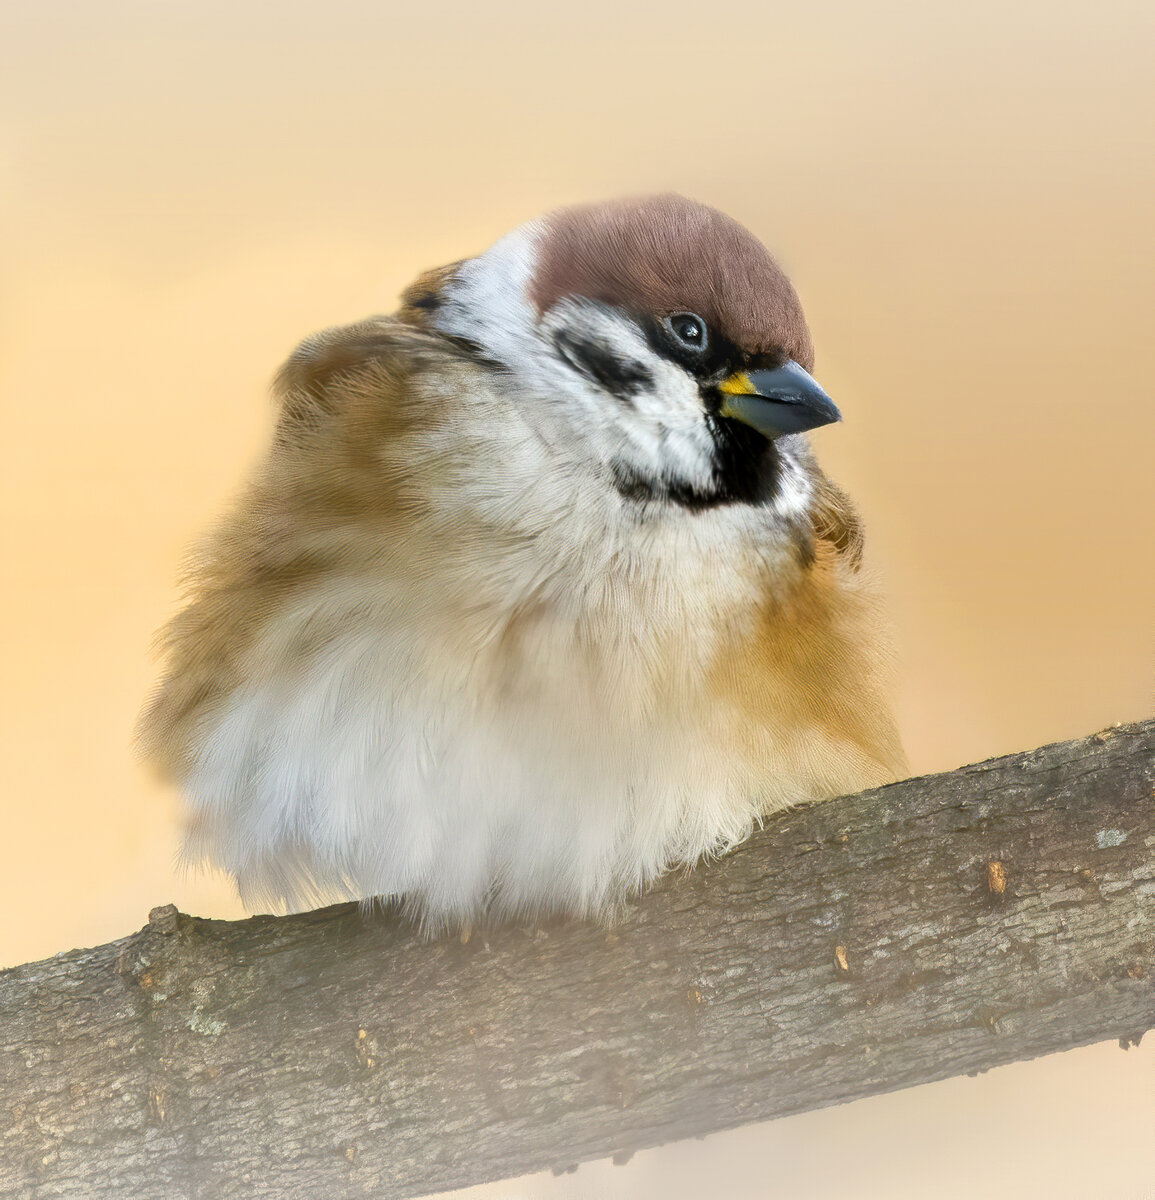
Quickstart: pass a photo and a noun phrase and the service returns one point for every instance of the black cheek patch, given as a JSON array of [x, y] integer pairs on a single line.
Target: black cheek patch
[[622, 379]]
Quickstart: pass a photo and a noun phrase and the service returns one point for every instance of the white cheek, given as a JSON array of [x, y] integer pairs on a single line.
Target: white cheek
[[660, 430], [674, 414]]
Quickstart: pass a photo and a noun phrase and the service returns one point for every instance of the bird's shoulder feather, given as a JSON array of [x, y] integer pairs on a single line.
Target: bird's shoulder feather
[[342, 395]]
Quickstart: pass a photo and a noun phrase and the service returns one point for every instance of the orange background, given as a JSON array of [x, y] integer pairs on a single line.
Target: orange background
[[963, 195]]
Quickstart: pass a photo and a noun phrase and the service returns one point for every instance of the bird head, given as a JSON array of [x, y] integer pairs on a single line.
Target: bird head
[[655, 338]]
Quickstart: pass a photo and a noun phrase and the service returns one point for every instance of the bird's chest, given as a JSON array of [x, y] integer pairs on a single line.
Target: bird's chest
[[620, 637], [609, 646]]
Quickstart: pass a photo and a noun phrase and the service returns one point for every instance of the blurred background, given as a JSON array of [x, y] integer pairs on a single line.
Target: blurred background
[[964, 196]]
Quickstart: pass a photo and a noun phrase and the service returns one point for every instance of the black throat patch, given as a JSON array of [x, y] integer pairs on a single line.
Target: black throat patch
[[746, 471]]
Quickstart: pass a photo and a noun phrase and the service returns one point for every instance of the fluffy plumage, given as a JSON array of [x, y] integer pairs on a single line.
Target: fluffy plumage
[[513, 618]]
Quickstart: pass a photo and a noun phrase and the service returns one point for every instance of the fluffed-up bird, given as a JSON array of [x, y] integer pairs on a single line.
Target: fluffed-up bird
[[539, 590]]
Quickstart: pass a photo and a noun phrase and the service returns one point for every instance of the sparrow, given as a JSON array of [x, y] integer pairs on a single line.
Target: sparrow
[[538, 592]]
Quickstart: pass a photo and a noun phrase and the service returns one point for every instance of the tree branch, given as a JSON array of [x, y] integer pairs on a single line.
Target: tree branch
[[938, 926]]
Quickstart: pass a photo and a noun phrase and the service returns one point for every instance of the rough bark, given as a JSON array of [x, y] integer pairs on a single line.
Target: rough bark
[[938, 926]]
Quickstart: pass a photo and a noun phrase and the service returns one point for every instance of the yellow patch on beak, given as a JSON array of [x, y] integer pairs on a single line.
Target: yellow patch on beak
[[738, 385]]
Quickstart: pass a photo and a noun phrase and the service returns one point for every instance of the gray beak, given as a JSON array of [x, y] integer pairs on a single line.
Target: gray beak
[[783, 400]]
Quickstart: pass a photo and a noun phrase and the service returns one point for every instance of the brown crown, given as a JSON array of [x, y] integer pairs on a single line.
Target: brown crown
[[665, 254]]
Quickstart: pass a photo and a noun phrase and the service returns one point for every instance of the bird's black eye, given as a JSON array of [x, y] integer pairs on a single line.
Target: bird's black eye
[[689, 329]]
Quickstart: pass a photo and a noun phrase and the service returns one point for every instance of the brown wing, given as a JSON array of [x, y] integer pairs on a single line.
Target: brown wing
[[322, 490]]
